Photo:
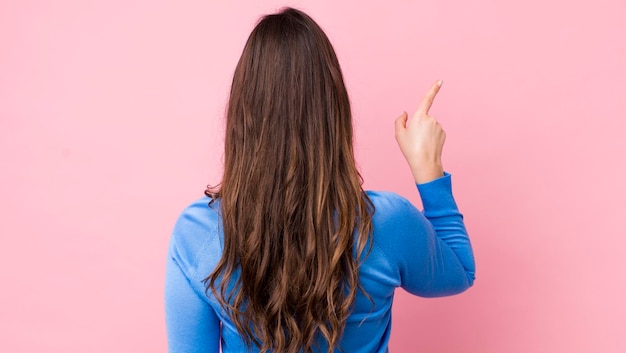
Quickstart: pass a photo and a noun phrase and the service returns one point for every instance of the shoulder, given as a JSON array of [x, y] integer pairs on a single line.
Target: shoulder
[[397, 223], [391, 207], [194, 235]]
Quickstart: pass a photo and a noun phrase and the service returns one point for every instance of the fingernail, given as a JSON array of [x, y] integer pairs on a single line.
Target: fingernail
[[439, 82]]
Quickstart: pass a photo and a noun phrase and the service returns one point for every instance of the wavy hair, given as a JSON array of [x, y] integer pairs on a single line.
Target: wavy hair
[[295, 217]]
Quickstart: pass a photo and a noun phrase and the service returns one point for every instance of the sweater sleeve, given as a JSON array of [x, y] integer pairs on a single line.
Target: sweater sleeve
[[192, 324], [431, 247]]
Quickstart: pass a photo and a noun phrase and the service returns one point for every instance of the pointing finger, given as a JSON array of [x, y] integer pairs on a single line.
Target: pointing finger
[[427, 101]]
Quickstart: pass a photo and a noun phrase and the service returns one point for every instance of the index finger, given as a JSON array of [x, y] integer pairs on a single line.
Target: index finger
[[428, 99]]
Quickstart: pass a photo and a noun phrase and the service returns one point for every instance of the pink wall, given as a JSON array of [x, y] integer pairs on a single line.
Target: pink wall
[[110, 123]]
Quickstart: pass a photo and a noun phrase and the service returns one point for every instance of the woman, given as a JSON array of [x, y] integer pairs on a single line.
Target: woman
[[291, 254]]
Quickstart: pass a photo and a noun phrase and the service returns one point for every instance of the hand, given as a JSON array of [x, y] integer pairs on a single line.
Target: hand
[[421, 140]]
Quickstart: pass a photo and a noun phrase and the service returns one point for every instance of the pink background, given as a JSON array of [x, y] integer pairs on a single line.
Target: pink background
[[111, 117]]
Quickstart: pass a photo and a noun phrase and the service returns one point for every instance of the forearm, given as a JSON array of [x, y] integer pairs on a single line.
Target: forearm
[[441, 210], [424, 172]]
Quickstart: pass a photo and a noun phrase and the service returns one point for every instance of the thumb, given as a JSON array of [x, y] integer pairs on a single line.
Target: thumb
[[401, 122]]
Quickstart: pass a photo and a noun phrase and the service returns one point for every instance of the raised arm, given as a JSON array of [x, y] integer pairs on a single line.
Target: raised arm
[[438, 258], [430, 251]]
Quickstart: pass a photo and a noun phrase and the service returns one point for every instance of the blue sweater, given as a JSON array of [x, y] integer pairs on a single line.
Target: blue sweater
[[427, 253]]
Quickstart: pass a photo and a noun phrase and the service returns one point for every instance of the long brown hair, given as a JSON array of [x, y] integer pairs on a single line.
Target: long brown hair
[[291, 197]]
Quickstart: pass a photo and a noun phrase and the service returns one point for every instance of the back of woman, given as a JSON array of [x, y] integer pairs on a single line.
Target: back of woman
[[289, 253]]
